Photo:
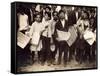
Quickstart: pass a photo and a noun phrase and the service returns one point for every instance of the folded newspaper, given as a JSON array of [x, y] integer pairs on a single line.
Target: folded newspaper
[[89, 36], [22, 40], [73, 36], [70, 36], [63, 36]]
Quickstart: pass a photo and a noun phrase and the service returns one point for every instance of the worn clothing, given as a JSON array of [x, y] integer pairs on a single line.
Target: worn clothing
[[35, 33], [47, 32]]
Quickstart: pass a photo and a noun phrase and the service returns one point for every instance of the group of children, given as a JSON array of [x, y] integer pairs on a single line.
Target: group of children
[[45, 43]]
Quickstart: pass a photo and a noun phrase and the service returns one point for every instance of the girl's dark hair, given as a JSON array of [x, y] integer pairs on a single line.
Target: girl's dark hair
[[48, 7], [37, 13]]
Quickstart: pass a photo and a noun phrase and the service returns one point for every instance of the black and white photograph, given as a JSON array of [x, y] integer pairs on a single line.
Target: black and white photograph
[[53, 37]]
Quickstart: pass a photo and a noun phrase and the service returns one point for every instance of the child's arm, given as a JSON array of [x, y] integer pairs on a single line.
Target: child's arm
[[31, 31]]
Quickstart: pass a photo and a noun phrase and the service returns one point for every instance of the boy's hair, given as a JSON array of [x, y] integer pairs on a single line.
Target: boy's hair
[[61, 11]]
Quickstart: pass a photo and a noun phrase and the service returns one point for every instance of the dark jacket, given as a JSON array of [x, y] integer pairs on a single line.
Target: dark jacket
[[72, 17], [60, 27]]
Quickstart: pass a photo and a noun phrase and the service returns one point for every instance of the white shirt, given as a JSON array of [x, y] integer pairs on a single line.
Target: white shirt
[[76, 13], [35, 33], [36, 27], [53, 23], [23, 21], [47, 32], [66, 16], [63, 22]]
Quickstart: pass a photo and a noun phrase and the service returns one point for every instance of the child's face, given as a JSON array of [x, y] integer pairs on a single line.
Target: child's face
[[91, 21], [46, 17], [92, 14], [84, 15], [55, 16], [38, 18], [61, 15], [47, 10]]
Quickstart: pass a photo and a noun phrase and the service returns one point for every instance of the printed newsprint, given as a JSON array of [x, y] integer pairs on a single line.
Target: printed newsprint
[[69, 36], [63, 35], [90, 37], [22, 40]]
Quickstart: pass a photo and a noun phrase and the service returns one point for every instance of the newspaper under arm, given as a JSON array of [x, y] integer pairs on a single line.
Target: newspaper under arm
[[22, 40], [89, 36], [63, 36], [70, 36]]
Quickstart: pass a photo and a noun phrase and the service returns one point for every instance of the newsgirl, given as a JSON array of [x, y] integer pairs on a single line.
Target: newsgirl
[[35, 32]]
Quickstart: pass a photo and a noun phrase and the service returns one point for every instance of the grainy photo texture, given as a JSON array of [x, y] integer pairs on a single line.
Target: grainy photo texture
[[54, 37]]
